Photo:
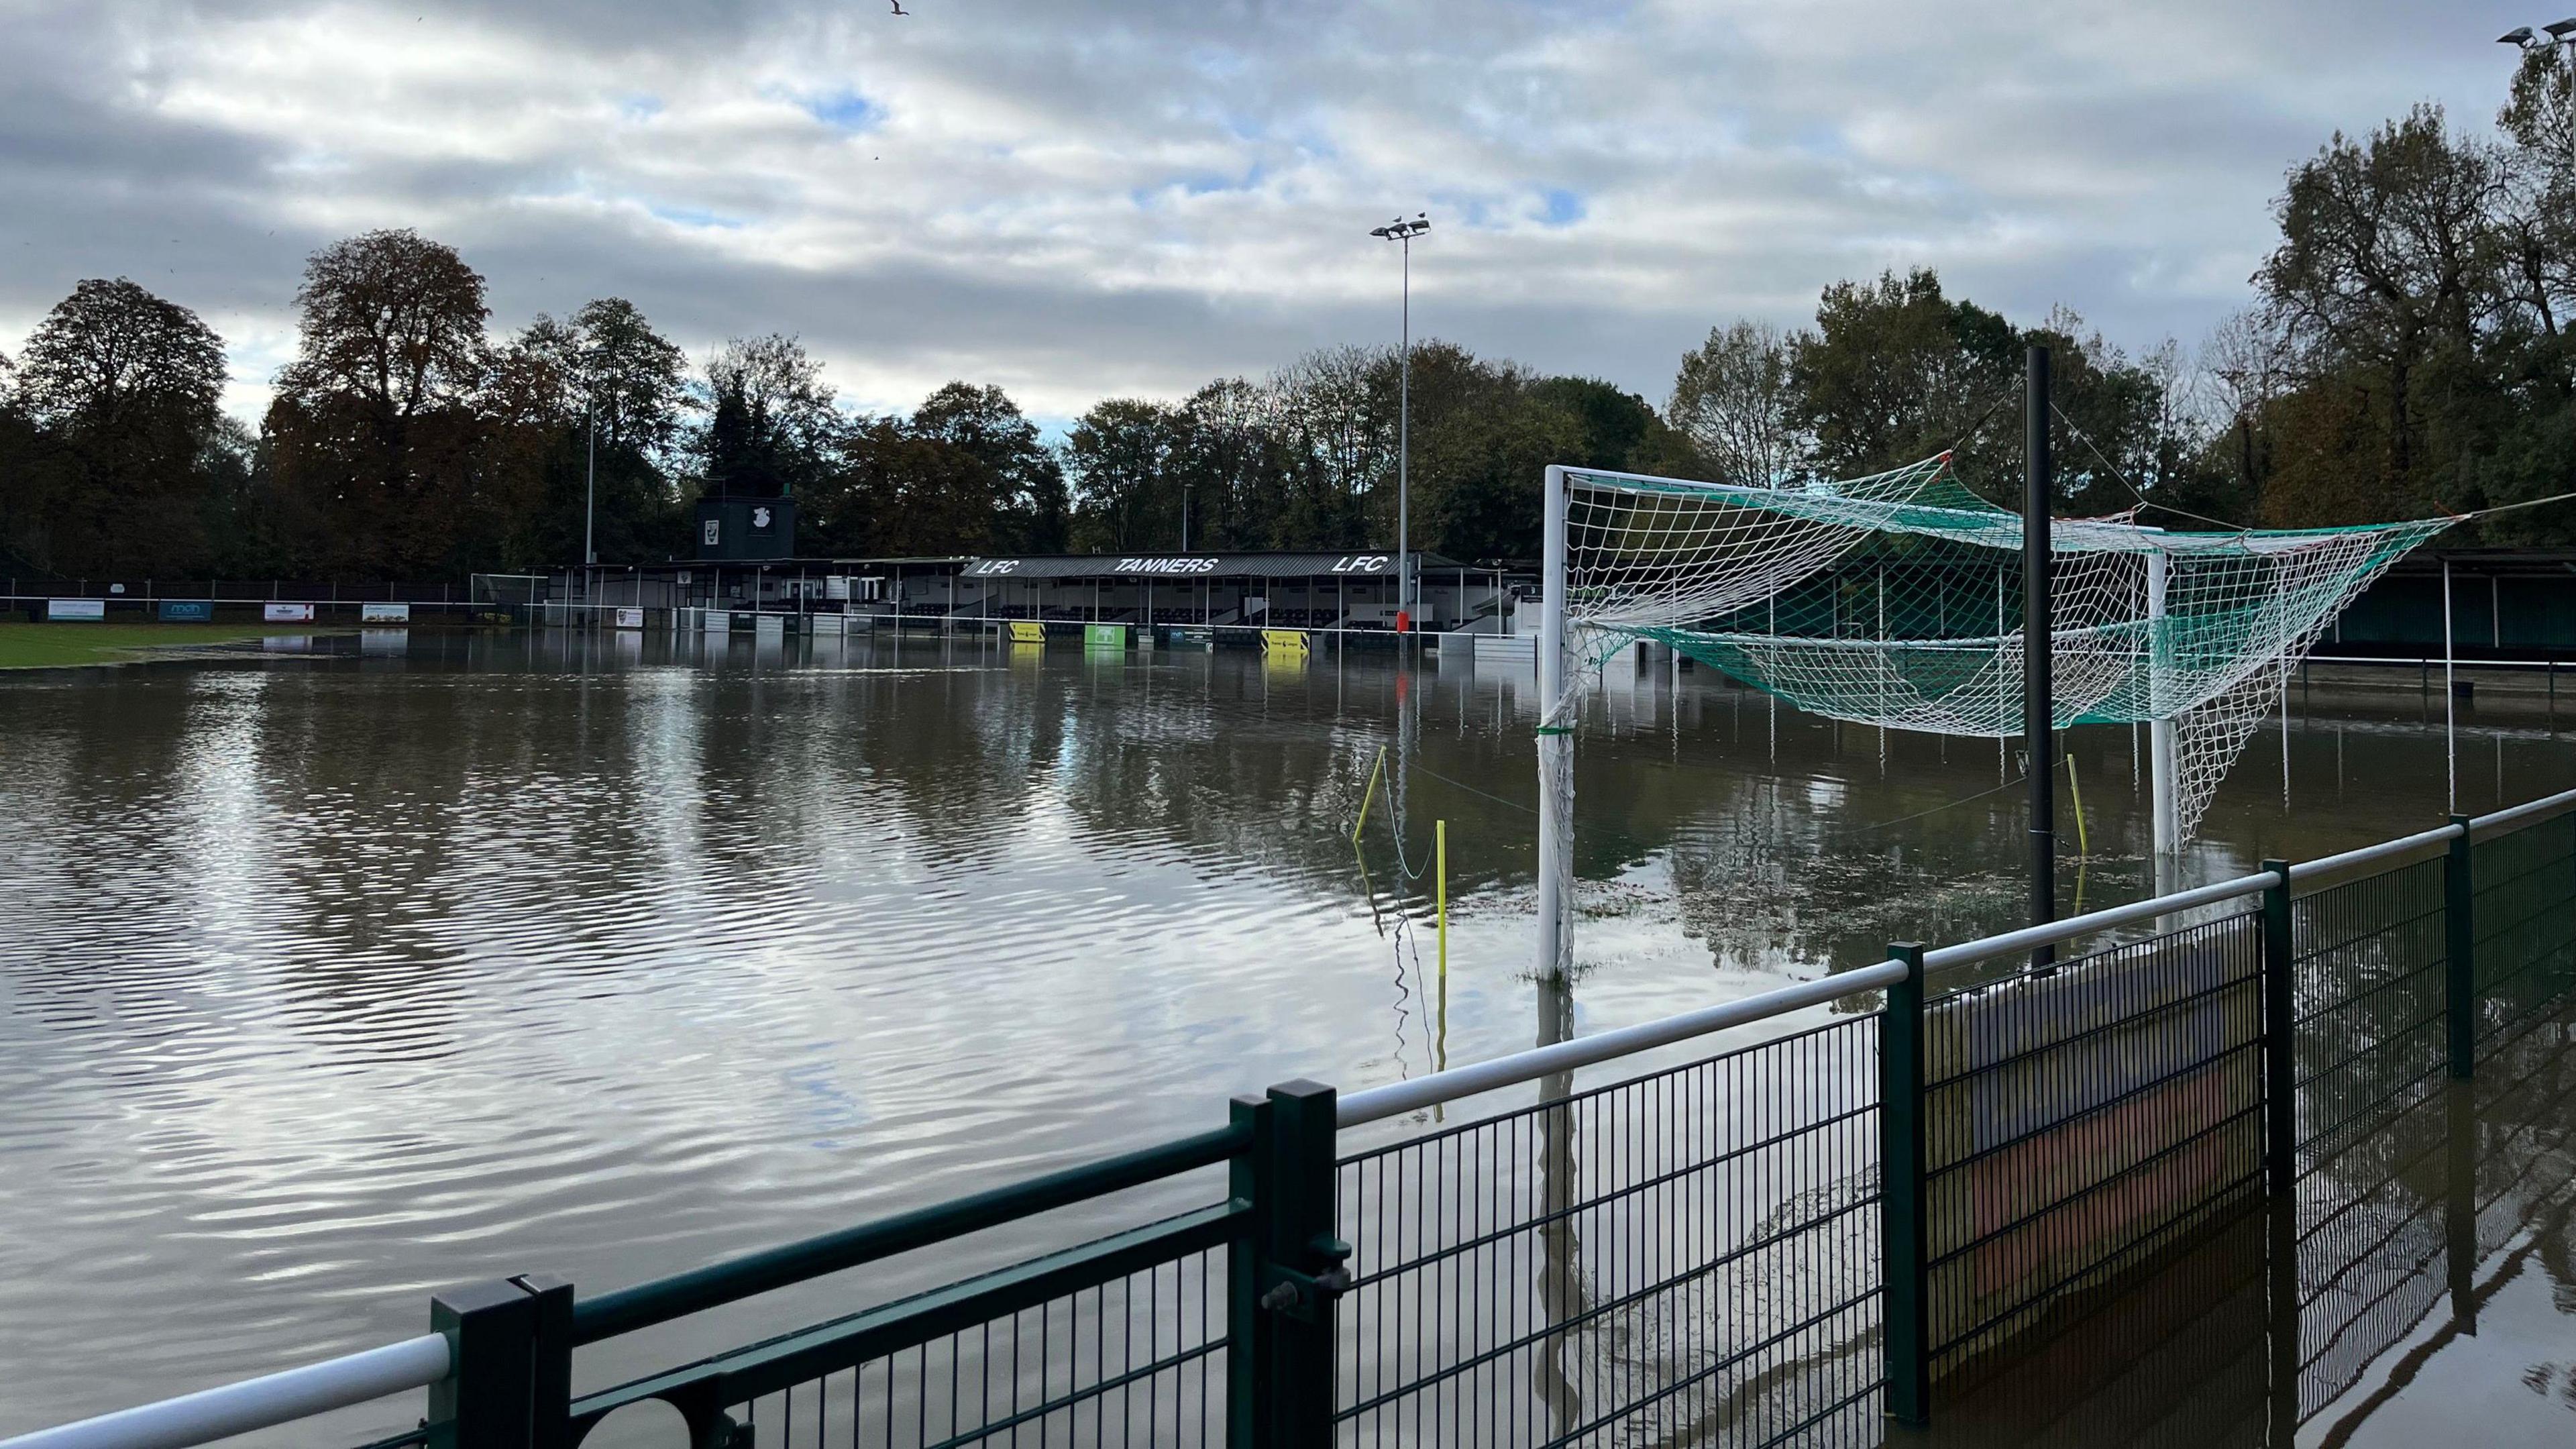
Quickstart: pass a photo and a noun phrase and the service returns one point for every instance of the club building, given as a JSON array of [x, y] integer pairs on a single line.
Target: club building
[[1346, 592]]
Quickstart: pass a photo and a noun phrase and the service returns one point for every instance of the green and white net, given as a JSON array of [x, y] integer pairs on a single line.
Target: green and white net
[[1896, 600]]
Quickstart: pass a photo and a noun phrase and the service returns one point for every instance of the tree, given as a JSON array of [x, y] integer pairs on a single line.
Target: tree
[[2383, 283], [1031, 504], [374, 431], [613, 392], [771, 426], [1895, 372], [1736, 399], [124, 387], [1125, 457]]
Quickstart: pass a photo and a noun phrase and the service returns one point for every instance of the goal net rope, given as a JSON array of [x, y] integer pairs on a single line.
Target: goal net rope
[[1896, 600]]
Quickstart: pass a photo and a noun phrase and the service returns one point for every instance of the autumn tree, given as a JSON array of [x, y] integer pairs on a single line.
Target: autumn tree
[[1736, 399], [375, 430], [123, 388], [771, 427], [614, 394], [1031, 505]]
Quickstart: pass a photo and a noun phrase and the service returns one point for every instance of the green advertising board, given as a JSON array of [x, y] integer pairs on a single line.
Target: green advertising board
[[1104, 636]]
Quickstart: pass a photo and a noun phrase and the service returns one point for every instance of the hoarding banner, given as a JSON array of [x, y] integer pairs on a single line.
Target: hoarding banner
[[76, 608], [287, 613], [630, 618], [382, 614], [187, 611]]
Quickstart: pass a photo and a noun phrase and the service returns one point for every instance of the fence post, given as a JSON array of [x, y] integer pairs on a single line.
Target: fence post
[[512, 1381], [1904, 1217], [1282, 1388], [2280, 1037], [2459, 952]]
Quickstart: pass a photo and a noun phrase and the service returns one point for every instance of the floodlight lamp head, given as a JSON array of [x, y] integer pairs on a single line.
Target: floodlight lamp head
[[2519, 35], [1379, 231], [2559, 29]]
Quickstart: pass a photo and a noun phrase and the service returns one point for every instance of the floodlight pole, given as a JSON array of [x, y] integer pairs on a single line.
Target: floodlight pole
[[1402, 232], [2038, 725]]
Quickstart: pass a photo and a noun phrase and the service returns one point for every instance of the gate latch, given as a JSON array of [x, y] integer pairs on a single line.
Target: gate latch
[[1303, 1296]]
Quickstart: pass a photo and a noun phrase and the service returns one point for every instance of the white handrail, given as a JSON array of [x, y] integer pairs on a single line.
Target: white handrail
[[2547, 804], [2052, 932], [2385, 850], [261, 1403], [1401, 1097]]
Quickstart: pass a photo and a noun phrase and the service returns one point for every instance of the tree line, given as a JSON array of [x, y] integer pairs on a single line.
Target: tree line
[[2405, 352]]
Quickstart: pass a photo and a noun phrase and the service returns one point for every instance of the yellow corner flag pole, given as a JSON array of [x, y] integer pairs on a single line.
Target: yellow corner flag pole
[[1369, 794], [2076, 788], [1440, 872]]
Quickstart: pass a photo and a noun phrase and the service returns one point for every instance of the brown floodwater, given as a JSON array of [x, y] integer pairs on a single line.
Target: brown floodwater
[[348, 969]]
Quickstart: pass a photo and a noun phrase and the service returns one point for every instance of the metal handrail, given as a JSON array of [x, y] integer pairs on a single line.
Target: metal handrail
[[261, 1403], [2333, 865], [2524, 813], [2053, 932], [1397, 1098], [662, 1299]]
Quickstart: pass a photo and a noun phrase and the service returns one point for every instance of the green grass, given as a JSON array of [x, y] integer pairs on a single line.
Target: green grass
[[59, 646]]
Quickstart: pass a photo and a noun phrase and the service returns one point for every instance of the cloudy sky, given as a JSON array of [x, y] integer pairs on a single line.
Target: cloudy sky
[[1078, 199]]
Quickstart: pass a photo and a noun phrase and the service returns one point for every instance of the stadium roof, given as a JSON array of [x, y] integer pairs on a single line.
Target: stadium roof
[[1357, 563]]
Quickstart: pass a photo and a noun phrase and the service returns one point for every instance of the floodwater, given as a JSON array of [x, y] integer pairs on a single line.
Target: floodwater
[[336, 977]]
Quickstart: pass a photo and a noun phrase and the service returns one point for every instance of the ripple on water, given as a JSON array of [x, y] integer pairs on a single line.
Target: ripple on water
[[327, 987]]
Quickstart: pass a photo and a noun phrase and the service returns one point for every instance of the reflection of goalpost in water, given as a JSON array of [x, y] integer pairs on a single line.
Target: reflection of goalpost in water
[[2186, 633]]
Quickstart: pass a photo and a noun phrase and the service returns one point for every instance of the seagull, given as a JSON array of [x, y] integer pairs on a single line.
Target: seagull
[[898, 8]]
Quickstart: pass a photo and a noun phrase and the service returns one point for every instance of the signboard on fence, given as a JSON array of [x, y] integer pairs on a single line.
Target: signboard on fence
[[187, 611], [64, 610], [1104, 636], [1026, 631], [2091, 1115], [630, 618], [381, 613], [287, 613], [1283, 641]]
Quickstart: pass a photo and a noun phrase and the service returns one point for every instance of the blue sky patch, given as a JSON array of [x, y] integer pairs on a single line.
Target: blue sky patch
[[1564, 208], [845, 110], [691, 216]]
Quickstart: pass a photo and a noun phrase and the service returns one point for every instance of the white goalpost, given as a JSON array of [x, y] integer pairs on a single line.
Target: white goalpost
[[2182, 632]]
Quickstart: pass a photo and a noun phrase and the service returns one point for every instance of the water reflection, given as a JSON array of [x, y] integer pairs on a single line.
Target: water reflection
[[345, 971]]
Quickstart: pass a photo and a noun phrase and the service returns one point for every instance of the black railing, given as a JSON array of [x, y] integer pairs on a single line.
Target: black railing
[[1688, 1257]]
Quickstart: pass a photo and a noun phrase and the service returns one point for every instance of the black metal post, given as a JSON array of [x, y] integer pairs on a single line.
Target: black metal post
[[1297, 1273], [1904, 1216], [2038, 724], [2460, 1201], [2280, 1038], [1246, 1326], [512, 1381], [2459, 951]]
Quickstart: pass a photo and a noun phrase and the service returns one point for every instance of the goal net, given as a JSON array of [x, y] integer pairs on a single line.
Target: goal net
[[1896, 600]]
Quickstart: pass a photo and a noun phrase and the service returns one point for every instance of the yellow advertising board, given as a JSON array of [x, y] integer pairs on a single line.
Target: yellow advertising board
[[1288, 641], [1026, 631]]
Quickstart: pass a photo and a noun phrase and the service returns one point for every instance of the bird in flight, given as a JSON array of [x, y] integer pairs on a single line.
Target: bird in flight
[[898, 8]]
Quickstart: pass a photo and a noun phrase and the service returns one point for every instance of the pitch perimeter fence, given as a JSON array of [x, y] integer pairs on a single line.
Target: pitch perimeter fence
[[1918, 1174]]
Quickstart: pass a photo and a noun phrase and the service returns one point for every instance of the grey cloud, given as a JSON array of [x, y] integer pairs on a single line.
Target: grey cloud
[[1031, 221]]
